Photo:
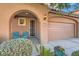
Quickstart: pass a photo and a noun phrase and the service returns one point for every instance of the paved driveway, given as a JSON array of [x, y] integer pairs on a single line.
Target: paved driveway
[[70, 45]]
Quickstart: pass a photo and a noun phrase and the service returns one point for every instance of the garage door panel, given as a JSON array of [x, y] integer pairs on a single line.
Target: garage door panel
[[60, 31]]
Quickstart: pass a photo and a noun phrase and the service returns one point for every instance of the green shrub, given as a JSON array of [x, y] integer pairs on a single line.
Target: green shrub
[[17, 47], [75, 53], [42, 51]]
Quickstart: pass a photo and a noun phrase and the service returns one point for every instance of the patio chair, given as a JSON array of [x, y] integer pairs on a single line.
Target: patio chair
[[25, 35], [15, 35]]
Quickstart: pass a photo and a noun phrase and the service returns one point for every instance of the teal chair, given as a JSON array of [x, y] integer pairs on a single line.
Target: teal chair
[[15, 35], [25, 35]]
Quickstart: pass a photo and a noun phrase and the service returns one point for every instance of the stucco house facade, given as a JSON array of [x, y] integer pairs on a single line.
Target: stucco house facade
[[38, 21]]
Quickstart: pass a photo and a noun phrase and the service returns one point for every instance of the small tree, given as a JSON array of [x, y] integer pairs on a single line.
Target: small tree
[[59, 6]]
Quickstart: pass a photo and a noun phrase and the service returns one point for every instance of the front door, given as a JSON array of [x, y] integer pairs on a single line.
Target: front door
[[32, 27]]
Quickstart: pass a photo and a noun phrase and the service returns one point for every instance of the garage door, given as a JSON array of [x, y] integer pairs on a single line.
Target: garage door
[[58, 31]]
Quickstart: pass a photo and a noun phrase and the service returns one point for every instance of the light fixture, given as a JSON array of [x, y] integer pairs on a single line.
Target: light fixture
[[45, 17], [26, 13]]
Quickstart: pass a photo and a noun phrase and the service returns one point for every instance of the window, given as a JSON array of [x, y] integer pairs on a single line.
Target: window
[[21, 21]]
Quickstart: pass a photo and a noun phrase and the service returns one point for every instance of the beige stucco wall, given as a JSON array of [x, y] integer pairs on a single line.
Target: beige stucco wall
[[15, 27], [37, 29], [6, 11], [76, 12], [60, 19], [57, 18]]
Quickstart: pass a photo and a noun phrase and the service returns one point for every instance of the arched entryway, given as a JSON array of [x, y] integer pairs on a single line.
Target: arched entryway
[[25, 21]]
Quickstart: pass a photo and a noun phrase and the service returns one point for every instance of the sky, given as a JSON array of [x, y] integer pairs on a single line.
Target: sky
[[74, 6]]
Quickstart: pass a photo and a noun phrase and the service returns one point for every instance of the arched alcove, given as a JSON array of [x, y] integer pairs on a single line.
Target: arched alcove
[[24, 21]]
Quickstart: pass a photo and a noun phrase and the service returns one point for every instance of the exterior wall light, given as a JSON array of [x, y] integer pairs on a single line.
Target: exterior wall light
[[45, 17]]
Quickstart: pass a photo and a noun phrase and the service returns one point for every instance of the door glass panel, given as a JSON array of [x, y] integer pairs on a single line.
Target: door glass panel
[[32, 28]]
